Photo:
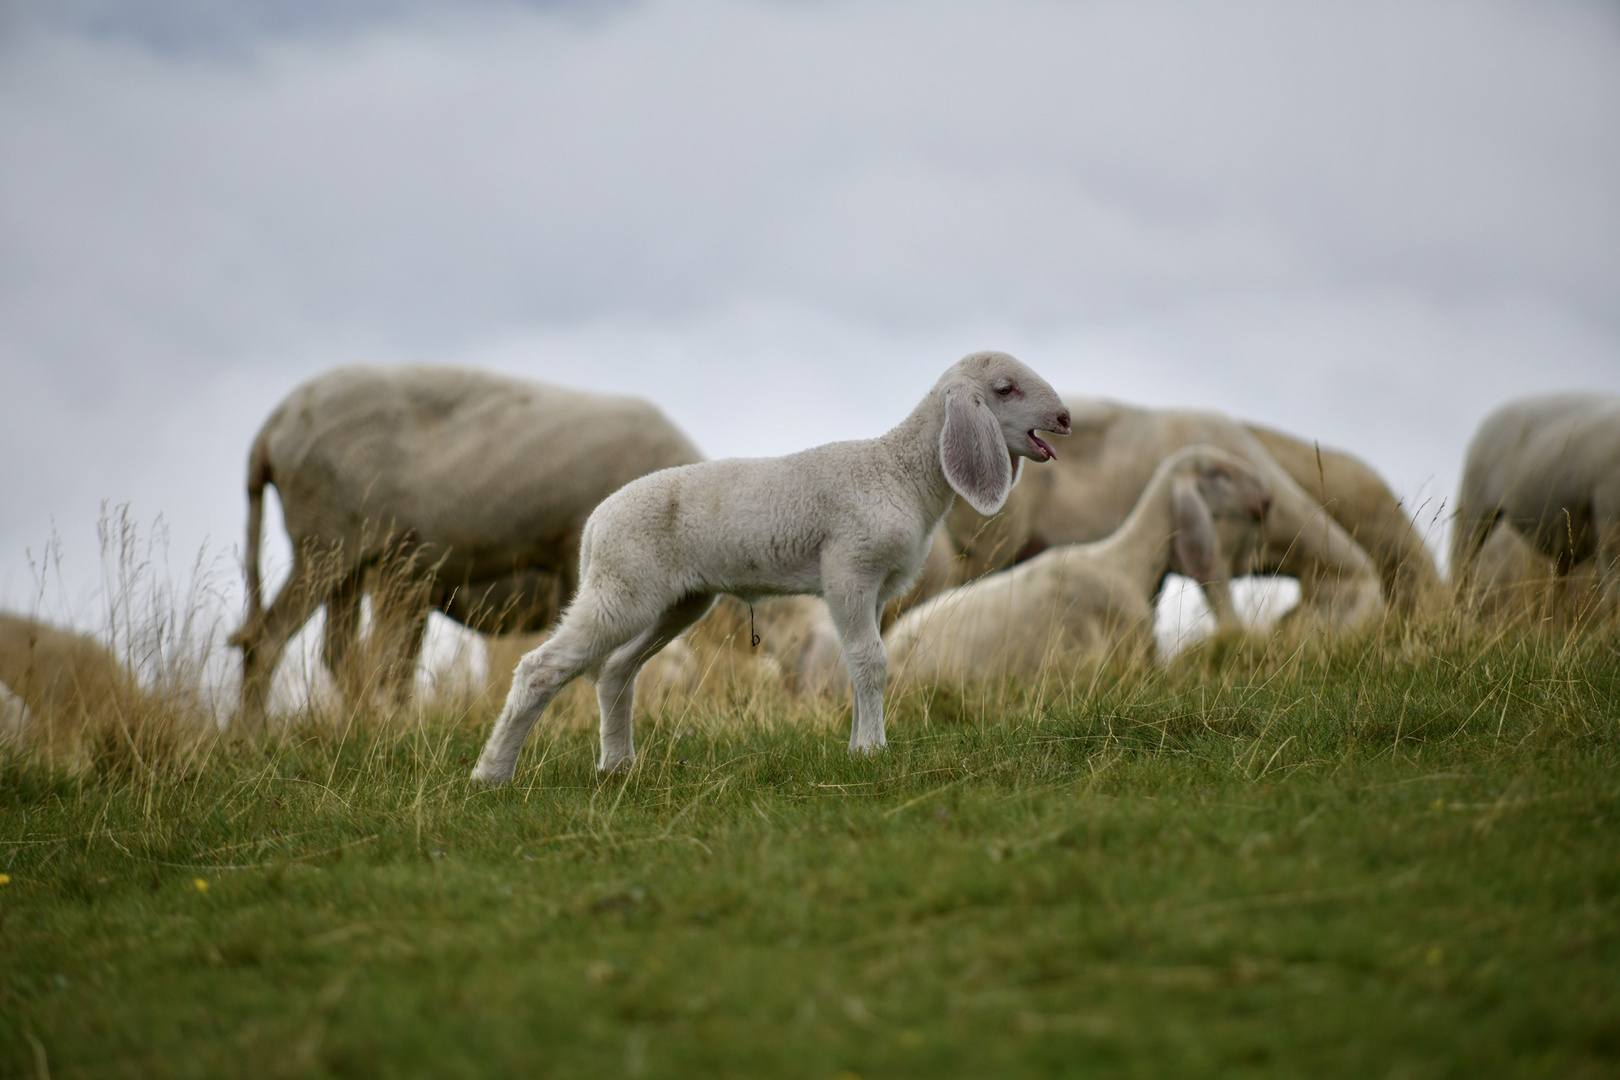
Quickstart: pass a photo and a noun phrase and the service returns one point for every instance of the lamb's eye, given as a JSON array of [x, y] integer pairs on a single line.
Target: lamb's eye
[[1004, 390]]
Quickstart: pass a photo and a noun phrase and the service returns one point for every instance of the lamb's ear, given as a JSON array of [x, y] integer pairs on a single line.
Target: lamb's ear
[[1196, 546], [973, 452]]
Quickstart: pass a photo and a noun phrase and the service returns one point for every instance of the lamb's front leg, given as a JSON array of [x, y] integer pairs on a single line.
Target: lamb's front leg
[[856, 617]]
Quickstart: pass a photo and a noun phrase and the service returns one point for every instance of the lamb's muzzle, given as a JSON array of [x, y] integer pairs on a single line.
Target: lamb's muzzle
[[1058, 424]]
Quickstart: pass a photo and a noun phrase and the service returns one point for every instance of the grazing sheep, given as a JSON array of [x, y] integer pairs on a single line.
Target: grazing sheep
[[1549, 468], [1106, 465], [1086, 602], [1510, 581], [851, 522], [469, 489], [61, 681]]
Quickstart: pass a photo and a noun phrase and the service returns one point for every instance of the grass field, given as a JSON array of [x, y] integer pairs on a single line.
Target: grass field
[[1397, 857]]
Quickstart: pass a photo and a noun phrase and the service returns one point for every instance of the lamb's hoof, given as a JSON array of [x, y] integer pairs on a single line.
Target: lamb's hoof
[[490, 776], [617, 767], [868, 750]]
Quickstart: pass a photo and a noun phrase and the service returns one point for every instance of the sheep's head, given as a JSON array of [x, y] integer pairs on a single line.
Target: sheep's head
[[1230, 487], [1209, 484], [994, 409]]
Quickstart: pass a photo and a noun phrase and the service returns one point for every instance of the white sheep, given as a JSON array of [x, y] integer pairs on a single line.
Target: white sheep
[[1086, 602], [851, 522], [1334, 524], [1548, 467]]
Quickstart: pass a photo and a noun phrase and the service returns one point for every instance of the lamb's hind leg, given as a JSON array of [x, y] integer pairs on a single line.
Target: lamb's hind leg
[[585, 638], [616, 690]]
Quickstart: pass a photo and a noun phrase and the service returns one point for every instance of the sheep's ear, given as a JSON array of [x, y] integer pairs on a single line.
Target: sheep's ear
[[1196, 546], [972, 451]]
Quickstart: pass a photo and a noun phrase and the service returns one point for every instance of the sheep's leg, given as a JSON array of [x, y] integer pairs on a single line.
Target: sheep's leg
[[404, 653], [262, 640], [1469, 534], [856, 617], [616, 690], [399, 617], [340, 650], [577, 646]]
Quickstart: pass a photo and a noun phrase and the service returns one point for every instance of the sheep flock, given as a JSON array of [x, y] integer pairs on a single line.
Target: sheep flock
[[1000, 530]]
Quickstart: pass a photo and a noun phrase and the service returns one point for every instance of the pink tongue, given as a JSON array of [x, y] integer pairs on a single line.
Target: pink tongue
[[1042, 443]]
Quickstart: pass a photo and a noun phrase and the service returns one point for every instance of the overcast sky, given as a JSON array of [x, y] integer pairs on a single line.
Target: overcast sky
[[1366, 223]]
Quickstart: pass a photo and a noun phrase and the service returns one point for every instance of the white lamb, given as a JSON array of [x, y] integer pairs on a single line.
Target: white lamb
[[1091, 602], [851, 522]]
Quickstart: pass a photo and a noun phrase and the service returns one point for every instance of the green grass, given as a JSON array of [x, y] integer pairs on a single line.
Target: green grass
[[1396, 858]]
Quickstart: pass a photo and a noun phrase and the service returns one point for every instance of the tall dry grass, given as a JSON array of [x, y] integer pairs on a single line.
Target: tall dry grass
[[152, 691], [135, 699], [151, 695]]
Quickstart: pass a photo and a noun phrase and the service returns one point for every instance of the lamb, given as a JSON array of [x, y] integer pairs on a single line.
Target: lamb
[[1087, 602], [851, 522]]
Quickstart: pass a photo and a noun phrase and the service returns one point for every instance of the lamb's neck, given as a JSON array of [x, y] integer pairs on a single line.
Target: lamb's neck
[[913, 445], [1140, 548]]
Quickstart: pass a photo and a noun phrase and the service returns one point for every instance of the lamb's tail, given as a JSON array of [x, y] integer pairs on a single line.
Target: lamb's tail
[[258, 477]]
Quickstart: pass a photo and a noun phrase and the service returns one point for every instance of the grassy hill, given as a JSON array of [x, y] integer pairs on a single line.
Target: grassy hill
[[1398, 856]]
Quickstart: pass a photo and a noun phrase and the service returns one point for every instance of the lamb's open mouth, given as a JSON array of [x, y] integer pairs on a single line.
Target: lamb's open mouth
[[1043, 449]]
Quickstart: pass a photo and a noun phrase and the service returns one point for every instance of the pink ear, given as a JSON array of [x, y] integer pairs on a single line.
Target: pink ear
[[972, 451], [1196, 547]]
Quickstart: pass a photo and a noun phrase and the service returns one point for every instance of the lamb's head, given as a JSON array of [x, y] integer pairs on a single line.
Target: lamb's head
[[1208, 484], [994, 408]]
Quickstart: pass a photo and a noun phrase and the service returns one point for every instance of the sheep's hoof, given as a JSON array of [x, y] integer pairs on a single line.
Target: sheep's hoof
[[617, 767], [490, 775], [868, 749]]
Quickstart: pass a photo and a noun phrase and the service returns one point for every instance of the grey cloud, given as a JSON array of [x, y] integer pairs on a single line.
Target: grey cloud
[[235, 28], [1367, 223]]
